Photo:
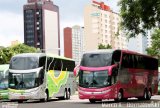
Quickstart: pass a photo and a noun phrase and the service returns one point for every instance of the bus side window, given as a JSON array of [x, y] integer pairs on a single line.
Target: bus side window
[[116, 57], [50, 63], [68, 65], [57, 64]]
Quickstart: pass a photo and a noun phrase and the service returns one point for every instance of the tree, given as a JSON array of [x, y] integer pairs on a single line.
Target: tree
[[7, 53], [22, 48], [154, 50], [101, 46], [139, 15]]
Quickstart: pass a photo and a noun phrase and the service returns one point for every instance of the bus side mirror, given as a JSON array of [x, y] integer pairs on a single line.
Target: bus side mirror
[[75, 71]]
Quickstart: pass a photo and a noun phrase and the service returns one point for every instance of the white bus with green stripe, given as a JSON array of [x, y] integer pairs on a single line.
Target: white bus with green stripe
[[4, 81], [41, 76]]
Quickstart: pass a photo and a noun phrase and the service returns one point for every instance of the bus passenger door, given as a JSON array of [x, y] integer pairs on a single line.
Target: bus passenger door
[[114, 81]]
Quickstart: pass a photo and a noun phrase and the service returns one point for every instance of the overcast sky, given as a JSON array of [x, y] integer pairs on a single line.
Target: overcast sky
[[11, 16]]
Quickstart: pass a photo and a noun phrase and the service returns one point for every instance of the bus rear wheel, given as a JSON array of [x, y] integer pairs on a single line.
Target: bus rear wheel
[[149, 94], [68, 94], [145, 95]]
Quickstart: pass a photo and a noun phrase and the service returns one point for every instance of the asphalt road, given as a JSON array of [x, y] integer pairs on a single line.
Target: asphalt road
[[75, 102]]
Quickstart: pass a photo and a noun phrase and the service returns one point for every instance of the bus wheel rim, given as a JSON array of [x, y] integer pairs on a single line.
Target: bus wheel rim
[[149, 94], [45, 97], [65, 96], [145, 94], [119, 96]]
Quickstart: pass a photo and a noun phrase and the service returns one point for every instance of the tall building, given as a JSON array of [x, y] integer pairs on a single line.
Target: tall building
[[73, 42], [77, 43], [141, 42], [102, 27], [41, 25], [68, 42]]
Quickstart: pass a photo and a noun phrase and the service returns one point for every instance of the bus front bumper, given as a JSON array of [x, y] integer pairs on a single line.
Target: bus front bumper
[[3, 96], [32, 94], [95, 95]]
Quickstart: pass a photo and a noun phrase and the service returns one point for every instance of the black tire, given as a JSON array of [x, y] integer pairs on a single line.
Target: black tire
[[119, 96], [64, 97], [145, 95], [92, 100], [149, 94]]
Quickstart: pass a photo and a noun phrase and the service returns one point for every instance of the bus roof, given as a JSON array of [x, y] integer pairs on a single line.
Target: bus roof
[[57, 56], [100, 51], [112, 50], [4, 67], [133, 52], [30, 55], [40, 55]]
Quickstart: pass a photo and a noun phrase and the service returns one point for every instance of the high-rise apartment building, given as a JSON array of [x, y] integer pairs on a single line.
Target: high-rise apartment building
[[141, 42], [73, 42], [102, 27], [41, 25], [77, 43]]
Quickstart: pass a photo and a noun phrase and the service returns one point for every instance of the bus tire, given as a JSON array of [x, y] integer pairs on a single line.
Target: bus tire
[[119, 96], [46, 97], [68, 94], [65, 95], [145, 94], [92, 100], [149, 94]]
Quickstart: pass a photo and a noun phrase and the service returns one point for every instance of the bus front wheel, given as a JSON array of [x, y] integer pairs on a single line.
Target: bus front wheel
[[45, 99], [119, 96]]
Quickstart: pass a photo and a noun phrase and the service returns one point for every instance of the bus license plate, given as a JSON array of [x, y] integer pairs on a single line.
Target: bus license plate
[[22, 97]]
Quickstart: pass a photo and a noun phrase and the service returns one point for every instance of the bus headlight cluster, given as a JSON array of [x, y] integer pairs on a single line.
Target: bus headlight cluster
[[99, 92], [106, 91]]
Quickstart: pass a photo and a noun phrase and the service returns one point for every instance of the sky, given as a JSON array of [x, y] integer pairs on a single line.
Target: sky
[[11, 17]]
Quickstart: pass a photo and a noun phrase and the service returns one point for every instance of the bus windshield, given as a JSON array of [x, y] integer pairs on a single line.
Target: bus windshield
[[24, 63], [3, 80], [23, 81], [96, 60], [94, 79]]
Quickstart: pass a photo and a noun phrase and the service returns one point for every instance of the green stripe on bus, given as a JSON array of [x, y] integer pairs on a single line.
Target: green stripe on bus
[[54, 87]]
